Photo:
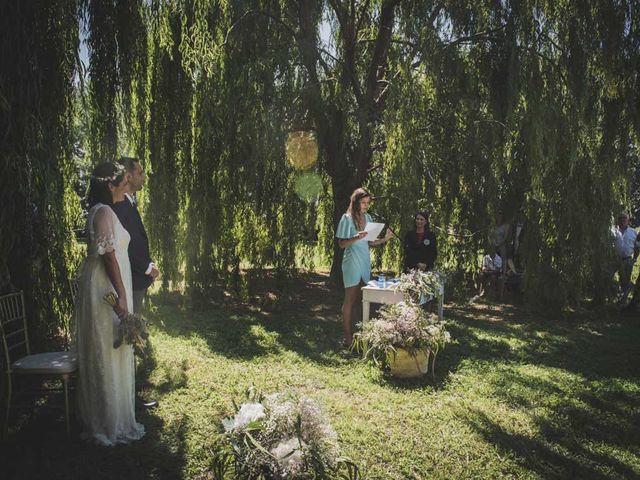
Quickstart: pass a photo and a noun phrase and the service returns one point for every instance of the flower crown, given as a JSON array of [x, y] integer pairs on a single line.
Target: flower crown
[[119, 171]]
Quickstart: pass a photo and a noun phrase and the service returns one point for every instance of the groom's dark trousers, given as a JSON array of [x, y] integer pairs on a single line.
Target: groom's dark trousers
[[139, 255]]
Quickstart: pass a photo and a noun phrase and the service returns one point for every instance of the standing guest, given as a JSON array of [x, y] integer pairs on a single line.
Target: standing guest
[[356, 262], [143, 269], [106, 376], [420, 246], [499, 237], [626, 251]]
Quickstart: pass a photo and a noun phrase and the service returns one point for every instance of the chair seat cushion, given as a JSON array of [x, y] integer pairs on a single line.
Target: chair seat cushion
[[50, 363]]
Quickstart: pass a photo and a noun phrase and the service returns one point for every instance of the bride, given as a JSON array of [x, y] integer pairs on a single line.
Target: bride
[[106, 374]]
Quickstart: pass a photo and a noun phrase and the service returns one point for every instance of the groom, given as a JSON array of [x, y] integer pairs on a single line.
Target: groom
[[143, 270]]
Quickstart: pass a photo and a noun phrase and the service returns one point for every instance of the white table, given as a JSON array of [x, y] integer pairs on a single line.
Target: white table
[[371, 293]]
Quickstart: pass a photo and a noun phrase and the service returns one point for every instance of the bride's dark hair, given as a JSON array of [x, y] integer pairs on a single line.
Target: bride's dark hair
[[103, 175]]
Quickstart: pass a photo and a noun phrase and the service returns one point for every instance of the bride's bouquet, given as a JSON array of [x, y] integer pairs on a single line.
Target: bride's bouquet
[[132, 329]]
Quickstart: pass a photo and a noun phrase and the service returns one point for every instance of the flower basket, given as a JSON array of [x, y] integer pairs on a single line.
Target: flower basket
[[403, 364], [402, 339]]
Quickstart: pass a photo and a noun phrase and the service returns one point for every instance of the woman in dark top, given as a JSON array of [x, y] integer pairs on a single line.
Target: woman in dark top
[[420, 246]]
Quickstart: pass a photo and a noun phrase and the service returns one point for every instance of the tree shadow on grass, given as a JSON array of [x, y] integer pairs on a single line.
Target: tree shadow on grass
[[570, 444], [173, 377], [586, 415], [41, 449], [308, 323], [593, 349], [225, 332], [422, 383]]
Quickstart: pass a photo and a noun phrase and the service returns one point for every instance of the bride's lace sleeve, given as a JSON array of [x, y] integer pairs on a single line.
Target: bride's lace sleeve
[[104, 235]]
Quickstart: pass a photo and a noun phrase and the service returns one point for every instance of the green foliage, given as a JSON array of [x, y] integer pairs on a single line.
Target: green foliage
[[459, 108], [462, 108], [37, 243]]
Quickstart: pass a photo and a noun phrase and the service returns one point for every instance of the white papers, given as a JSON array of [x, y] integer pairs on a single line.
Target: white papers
[[373, 230]]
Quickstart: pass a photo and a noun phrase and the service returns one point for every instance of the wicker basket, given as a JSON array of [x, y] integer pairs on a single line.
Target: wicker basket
[[405, 365]]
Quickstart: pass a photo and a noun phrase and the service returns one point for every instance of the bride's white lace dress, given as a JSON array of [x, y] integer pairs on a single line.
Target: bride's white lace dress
[[106, 377]]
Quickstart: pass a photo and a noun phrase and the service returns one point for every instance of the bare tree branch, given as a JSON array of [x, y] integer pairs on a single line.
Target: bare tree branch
[[363, 13], [249, 13], [474, 37], [387, 18], [374, 168]]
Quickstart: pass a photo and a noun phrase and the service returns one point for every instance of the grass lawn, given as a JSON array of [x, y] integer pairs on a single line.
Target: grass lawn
[[514, 397]]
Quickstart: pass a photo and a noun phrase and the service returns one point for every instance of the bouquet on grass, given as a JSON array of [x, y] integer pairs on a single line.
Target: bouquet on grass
[[280, 436], [132, 329]]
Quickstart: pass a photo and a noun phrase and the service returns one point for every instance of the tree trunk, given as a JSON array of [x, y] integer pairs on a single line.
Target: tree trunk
[[342, 189]]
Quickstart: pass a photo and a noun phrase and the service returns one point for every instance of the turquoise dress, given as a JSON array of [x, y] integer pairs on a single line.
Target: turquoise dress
[[356, 262]]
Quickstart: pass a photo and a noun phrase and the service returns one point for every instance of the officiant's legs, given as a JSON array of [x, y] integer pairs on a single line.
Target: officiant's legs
[[352, 300]]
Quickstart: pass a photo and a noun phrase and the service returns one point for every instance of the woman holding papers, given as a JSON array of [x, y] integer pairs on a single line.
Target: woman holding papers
[[420, 247], [355, 238]]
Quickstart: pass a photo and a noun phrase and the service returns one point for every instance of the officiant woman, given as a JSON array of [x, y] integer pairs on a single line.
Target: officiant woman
[[356, 261]]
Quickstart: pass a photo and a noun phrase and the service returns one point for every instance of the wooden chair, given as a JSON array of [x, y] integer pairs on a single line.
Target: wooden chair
[[17, 359], [75, 288]]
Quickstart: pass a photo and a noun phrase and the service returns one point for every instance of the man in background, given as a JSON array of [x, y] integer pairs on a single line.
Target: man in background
[[626, 249]]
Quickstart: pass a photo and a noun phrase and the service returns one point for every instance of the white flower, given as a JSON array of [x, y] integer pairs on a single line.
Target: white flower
[[288, 453], [294, 436], [248, 413]]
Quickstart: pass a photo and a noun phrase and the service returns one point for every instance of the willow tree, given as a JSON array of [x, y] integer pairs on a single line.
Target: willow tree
[[219, 185], [345, 90], [37, 65], [381, 50], [575, 130], [536, 117], [467, 106]]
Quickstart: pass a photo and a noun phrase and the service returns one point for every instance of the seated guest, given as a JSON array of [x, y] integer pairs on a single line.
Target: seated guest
[[420, 246], [499, 236], [491, 270]]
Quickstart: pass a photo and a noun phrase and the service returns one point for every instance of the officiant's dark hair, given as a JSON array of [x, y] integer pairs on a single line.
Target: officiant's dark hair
[[103, 175], [129, 163]]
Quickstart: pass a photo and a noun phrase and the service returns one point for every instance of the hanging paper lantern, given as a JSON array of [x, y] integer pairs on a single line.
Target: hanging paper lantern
[[302, 149], [308, 186]]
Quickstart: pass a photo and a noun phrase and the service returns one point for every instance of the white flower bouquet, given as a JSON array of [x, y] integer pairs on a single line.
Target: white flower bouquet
[[417, 285], [280, 436]]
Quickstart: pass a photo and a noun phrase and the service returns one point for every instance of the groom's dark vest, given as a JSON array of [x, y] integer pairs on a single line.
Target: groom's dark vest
[[139, 255]]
